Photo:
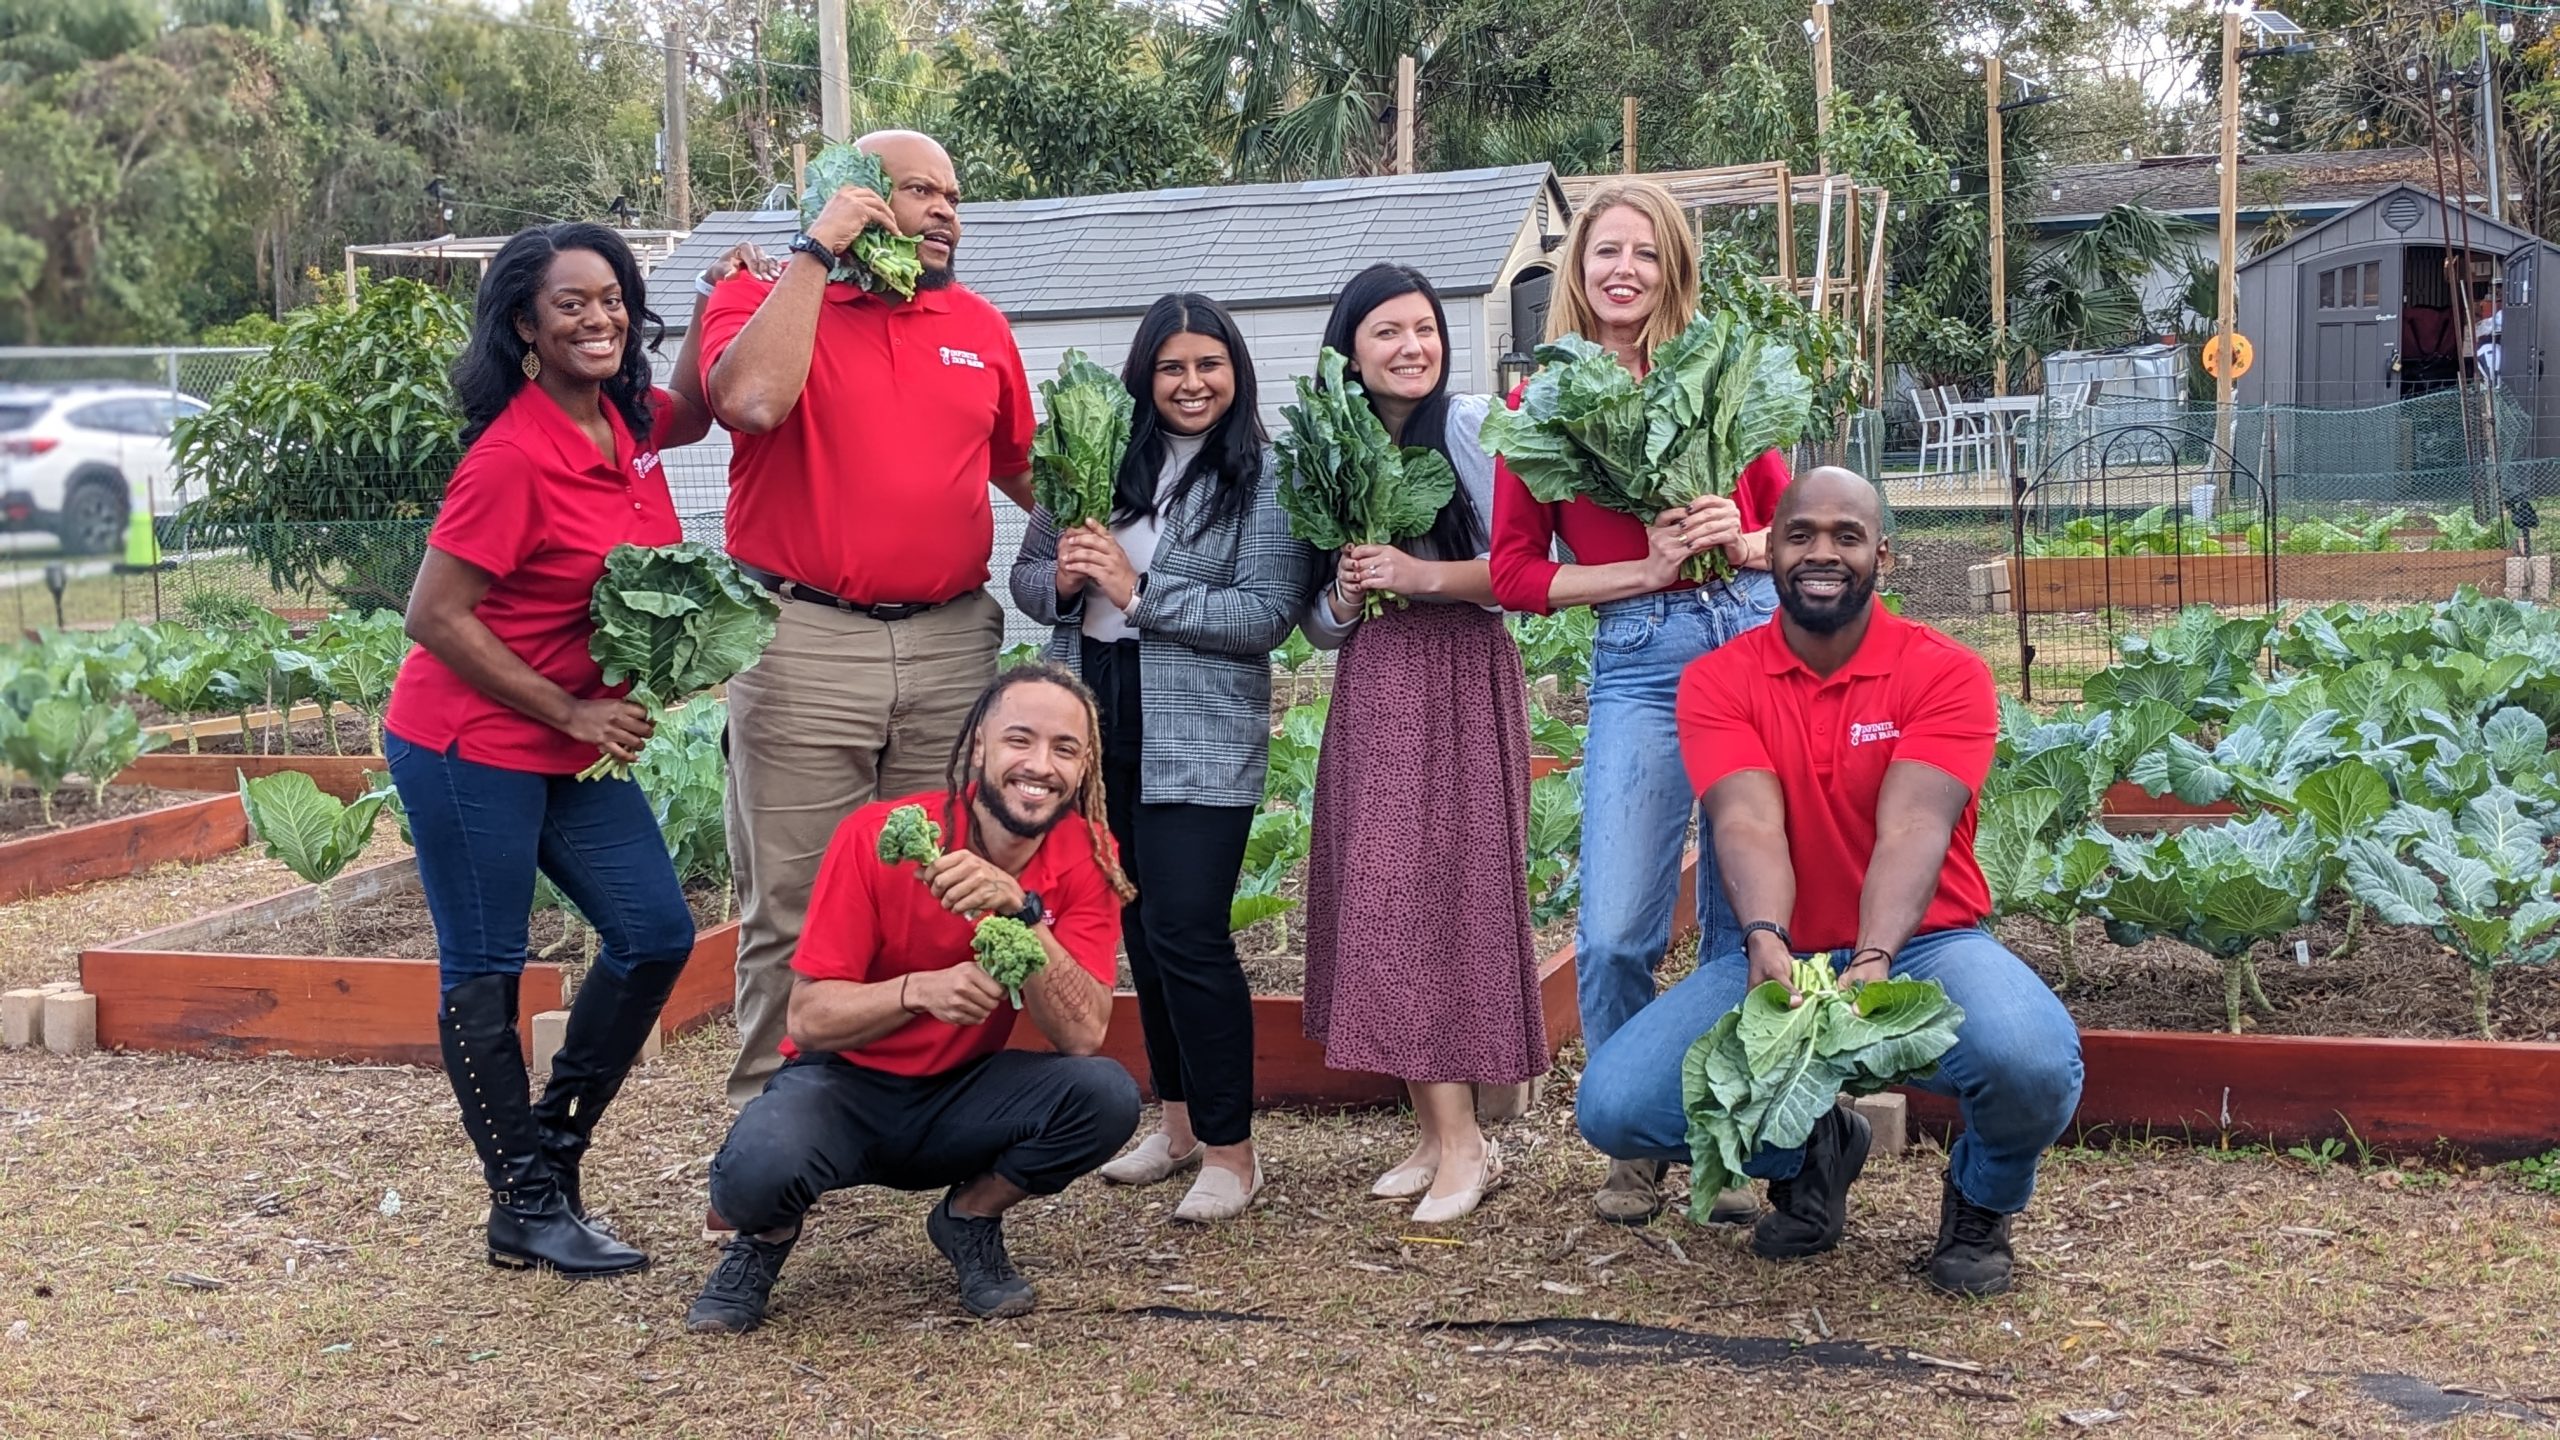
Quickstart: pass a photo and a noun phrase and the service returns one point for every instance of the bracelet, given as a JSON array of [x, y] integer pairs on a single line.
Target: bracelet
[[1774, 928], [902, 992], [702, 283], [1858, 958]]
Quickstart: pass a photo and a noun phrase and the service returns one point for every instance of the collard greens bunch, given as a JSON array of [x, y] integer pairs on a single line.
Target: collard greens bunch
[[673, 621], [879, 258], [1076, 453], [1719, 395], [1766, 1072], [1342, 481]]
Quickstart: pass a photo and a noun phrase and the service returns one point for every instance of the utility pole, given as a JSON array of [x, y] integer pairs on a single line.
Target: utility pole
[[1627, 133], [1999, 236], [1821, 25], [2226, 289], [2489, 125], [835, 98], [679, 158], [1404, 114]]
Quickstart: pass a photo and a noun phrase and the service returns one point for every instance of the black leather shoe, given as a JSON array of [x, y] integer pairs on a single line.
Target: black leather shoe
[[735, 1298], [990, 1288], [609, 1024], [530, 1222], [1973, 1255], [1807, 1213]]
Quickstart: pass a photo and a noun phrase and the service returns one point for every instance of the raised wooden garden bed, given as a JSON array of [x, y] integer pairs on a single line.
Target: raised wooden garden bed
[[2129, 810], [2056, 585], [172, 990], [47, 861], [206, 726]]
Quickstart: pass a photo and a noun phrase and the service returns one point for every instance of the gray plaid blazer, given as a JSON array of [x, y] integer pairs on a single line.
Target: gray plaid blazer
[[1217, 604]]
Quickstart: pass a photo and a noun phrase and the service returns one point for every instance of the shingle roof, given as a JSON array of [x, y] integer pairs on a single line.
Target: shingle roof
[[1248, 245], [2187, 183]]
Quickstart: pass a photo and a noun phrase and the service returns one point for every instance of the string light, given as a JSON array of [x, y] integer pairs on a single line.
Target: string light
[[2506, 32]]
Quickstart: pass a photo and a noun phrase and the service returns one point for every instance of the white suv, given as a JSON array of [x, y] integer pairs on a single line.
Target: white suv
[[78, 460]]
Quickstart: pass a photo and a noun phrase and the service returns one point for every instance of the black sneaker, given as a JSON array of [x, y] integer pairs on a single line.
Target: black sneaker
[[733, 1300], [990, 1288], [1973, 1256], [1807, 1213]]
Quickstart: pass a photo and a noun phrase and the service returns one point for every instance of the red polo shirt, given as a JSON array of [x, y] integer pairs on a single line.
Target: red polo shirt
[[874, 487], [1909, 693], [535, 505], [872, 922]]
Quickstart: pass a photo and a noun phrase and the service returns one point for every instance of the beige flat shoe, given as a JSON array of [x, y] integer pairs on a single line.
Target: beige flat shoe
[[1443, 1209], [1151, 1162], [1632, 1195], [1405, 1181], [1216, 1197]]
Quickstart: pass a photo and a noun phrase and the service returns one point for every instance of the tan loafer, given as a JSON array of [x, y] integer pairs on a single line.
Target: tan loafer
[[1440, 1210], [1216, 1196], [1632, 1195], [1151, 1162], [1405, 1182]]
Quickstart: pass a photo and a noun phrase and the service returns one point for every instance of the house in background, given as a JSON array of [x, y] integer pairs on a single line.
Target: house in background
[[1078, 273]]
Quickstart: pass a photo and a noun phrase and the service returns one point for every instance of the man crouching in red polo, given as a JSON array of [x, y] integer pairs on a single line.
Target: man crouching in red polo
[[896, 1071]]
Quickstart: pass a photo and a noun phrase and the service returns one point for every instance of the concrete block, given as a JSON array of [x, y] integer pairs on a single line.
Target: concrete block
[[1496, 1103], [60, 987], [656, 1042], [549, 1029], [2538, 582], [1988, 578], [71, 1023], [2519, 578], [21, 1019], [1890, 1115]]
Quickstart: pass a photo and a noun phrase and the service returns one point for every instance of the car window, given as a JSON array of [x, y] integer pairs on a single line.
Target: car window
[[125, 417], [19, 417], [165, 414]]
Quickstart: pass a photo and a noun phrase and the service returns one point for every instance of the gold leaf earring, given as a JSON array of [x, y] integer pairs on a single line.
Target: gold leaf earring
[[532, 364]]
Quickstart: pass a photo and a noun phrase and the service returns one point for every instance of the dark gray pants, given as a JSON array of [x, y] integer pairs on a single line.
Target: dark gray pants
[[824, 1123]]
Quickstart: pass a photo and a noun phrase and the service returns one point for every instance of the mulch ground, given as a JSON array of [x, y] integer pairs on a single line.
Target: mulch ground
[[22, 811]]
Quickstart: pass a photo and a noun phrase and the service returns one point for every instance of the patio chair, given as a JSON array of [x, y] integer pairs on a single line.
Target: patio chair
[[1937, 429], [1971, 429]]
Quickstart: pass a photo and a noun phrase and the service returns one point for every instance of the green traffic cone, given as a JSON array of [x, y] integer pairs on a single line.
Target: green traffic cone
[[141, 546]]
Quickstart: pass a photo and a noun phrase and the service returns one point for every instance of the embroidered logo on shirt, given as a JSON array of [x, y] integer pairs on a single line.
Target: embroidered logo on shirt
[[1870, 734], [644, 462], [962, 357]]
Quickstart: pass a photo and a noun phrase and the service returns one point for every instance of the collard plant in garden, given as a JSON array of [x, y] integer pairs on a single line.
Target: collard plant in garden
[[1558, 645], [2478, 880], [1291, 778], [673, 622], [1076, 453], [1555, 845], [64, 735], [325, 460], [2032, 871], [1276, 845], [311, 831], [351, 660], [182, 676], [686, 778], [2222, 889]]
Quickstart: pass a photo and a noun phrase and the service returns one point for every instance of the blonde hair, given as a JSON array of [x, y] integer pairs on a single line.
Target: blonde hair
[[1570, 313]]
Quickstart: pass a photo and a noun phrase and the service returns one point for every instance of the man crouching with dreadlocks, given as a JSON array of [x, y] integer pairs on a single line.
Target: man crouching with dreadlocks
[[895, 1071]]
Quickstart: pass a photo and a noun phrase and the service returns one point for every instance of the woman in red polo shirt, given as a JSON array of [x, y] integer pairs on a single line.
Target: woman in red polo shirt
[[1629, 280], [500, 705]]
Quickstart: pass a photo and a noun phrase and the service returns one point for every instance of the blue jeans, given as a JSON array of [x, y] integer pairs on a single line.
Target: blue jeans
[[482, 831], [1636, 800], [2015, 1068]]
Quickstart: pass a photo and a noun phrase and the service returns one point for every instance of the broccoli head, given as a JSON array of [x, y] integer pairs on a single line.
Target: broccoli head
[[1008, 951], [910, 834]]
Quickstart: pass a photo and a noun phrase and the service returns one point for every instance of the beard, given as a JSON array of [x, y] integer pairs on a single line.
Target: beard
[[1827, 617], [992, 796], [939, 278]]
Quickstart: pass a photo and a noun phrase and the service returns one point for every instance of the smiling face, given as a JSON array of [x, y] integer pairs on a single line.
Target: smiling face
[[1031, 757], [1195, 383], [1826, 549], [924, 195], [1622, 269], [576, 323], [1398, 351]]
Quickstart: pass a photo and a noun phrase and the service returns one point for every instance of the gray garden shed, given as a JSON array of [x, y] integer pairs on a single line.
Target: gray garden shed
[[2364, 310]]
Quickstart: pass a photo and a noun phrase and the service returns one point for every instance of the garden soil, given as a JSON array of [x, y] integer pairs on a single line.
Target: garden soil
[[397, 927], [355, 738], [21, 815]]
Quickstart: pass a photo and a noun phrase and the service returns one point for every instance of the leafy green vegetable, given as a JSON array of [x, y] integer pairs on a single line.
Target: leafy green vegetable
[[673, 621], [62, 736], [309, 830], [1076, 453], [910, 834], [2479, 882], [1765, 1072], [686, 778], [181, 682], [2032, 874], [1719, 394], [1555, 845], [1342, 481], [879, 258], [1277, 842], [2221, 889], [359, 656], [1008, 951], [1291, 777]]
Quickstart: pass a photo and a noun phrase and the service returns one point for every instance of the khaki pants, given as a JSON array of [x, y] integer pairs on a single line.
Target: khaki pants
[[841, 710]]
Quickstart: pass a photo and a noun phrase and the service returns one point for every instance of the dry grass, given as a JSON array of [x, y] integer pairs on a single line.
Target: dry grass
[[2161, 1284]]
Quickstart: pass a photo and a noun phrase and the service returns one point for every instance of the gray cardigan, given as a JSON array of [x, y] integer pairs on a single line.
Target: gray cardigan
[[1216, 605]]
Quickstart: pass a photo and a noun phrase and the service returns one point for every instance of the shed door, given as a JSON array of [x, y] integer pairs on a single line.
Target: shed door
[[2350, 328], [2520, 356]]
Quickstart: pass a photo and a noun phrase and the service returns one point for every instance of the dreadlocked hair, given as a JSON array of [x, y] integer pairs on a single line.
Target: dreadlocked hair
[[1089, 799]]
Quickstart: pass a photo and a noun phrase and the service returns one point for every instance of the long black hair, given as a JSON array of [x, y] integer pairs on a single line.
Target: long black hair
[[491, 368], [1457, 533], [1230, 458]]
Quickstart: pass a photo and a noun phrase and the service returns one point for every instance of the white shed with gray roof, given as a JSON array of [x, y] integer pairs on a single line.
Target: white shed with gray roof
[[1078, 273]]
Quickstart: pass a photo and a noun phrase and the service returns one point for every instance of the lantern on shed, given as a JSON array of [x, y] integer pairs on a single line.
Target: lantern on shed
[[1515, 367]]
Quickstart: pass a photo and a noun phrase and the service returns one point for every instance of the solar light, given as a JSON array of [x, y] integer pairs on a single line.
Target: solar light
[[2269, 24], [1955, 182], [2128, 154], [2057, 192], [2444, 94]]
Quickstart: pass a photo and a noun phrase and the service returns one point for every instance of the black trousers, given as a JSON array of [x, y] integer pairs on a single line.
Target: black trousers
[[824, 1123], [1193, 1004]]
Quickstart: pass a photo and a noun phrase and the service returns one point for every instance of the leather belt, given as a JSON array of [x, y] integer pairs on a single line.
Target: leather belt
[[812, 595]]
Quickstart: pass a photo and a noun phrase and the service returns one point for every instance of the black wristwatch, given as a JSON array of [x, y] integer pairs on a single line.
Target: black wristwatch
[[1032, 912], [1774, 928], [802, 244]]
